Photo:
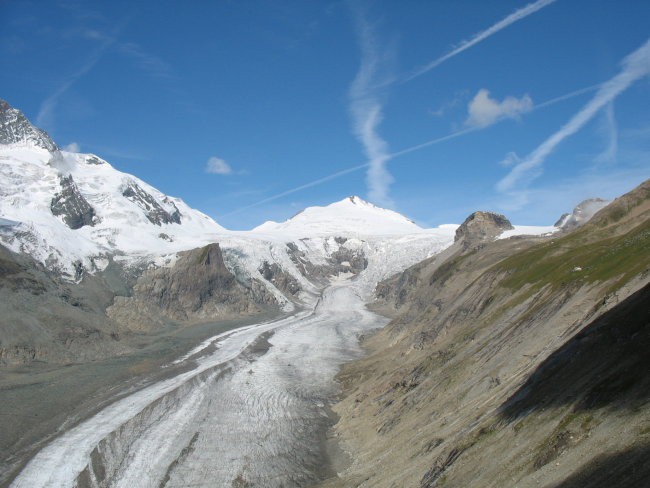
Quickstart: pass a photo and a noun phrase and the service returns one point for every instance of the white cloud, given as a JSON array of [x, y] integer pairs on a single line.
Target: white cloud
[[217, 166], [516, 16], [366, 112], [511, 159], [484, 110], [609, 130], [72, 147], [635, 66]]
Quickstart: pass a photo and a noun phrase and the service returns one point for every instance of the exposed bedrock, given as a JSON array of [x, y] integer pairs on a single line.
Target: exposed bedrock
[[71, 205], [198, 287], [154, 210], [282, 280], [480, 227]]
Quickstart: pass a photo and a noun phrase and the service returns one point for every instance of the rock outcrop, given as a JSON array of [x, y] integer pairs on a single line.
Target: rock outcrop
[[480, 227], [282, 280], [71, 205], [154, 210], [16, 129], [581, 213], [342, 258], [44, 318], [198, 287]]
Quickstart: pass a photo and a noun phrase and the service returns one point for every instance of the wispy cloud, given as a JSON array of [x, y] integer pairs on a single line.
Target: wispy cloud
[[148, 62], [402, 152], [217, 166], [450, 104], [516, 16], [635, 66], [609, 129], [366, 112], [45, 117], [484, 110]]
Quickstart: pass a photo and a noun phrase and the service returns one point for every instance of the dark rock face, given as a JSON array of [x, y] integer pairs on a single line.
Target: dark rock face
[[343, 260], [348, 260], [282, 280], [196, 278], [481, 226], [71, 204], [198, 287], [92, 159], [15, 128], [154, 211], [581, 214]]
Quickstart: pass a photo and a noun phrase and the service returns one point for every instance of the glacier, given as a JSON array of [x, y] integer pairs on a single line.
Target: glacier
[[254, 409]]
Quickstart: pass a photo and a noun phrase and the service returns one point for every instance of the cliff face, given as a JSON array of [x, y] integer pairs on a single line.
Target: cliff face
[[521, 362], [481, 226], [198, 287]]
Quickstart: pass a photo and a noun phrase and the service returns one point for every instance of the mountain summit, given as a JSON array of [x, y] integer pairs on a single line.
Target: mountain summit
[[16, 129], [64, 208], [350, 215]]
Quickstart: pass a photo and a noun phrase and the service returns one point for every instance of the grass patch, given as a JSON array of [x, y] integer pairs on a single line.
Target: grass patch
[[580, 258]]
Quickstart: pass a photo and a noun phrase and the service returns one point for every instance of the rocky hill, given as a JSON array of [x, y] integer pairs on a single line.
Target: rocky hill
[[520, 362]]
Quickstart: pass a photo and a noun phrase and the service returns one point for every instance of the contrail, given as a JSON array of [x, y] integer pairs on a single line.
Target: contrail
[[402, 152], [44, 117], [516, 16], [299, 188], [635, 67]]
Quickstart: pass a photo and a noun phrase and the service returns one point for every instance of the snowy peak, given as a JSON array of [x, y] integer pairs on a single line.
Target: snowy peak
[[350, 216], [355, 200], [581, 214], [65, 208], [16, 129]]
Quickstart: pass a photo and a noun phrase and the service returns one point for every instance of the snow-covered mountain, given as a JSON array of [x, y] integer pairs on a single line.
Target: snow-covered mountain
[[65, 208], [75, 213], [352, 215], [581, 213], [16, 129]]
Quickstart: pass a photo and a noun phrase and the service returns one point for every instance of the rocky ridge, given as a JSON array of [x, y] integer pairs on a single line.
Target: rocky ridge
[[480, 227], [514, 363], [197, 287], [16, 129], [581, 213]]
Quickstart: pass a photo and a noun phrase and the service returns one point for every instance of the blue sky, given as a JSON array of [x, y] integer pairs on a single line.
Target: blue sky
[[252, 110]]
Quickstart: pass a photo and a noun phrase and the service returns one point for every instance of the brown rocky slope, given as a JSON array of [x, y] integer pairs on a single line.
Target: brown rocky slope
[[521, 362]]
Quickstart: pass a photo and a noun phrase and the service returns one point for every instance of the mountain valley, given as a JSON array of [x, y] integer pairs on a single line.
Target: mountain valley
[[140, 340]]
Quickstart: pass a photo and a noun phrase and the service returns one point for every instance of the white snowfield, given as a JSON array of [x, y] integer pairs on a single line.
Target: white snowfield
[[351, 215], [529, 230], [121, 230], [31, 178]]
